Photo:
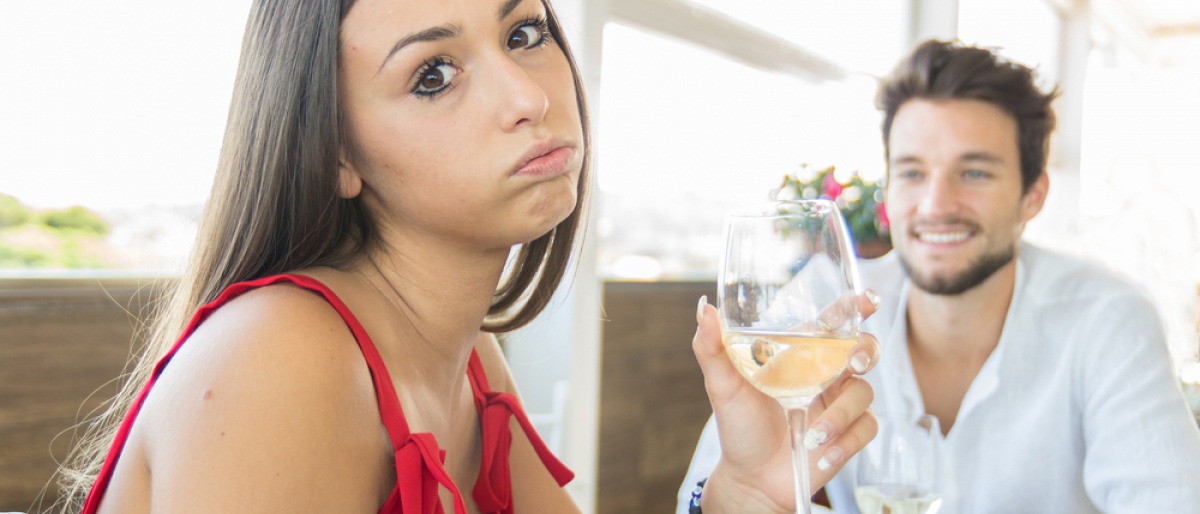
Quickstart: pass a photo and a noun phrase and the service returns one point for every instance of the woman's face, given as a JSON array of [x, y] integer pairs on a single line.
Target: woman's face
[[465, 118]]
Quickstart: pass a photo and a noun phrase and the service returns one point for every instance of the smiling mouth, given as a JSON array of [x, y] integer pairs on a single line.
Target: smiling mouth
[[943, 237]]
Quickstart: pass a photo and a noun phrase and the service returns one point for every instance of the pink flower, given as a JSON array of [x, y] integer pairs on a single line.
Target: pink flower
[[881, 214], [831, 187]]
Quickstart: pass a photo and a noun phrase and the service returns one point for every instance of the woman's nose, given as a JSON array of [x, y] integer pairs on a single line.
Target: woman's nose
[[522, 99]]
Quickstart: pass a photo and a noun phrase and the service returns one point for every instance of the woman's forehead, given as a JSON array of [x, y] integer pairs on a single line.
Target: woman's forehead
[[378, 26], [400, 15]]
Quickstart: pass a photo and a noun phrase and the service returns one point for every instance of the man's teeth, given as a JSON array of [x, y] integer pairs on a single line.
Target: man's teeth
[[943, 237]]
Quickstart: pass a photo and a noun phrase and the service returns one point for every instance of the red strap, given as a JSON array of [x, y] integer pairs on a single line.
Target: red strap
[[419, 460], [92, 504], [493, 489], [419, 471]]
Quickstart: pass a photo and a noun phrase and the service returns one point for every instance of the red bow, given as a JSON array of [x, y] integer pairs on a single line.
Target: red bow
[[419, 466], [494, 492]]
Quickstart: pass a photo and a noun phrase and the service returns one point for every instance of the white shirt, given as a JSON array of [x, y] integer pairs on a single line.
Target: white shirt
[[1077, 410]]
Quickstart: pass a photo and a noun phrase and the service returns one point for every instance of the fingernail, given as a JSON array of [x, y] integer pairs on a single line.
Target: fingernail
[[817, 434], [873, 298], [831, 457], [860, 362], [700, 309]]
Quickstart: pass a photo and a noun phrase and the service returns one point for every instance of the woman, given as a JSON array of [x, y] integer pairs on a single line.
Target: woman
[[381, 160]]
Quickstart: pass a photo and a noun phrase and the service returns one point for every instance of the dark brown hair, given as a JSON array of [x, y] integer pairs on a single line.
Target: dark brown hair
[[940, 70], [274, 205]]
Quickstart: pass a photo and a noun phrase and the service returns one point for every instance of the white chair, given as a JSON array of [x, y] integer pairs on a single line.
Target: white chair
[[550, 424]]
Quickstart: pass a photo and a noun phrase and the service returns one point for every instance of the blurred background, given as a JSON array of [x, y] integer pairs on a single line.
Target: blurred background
[[111, 117]]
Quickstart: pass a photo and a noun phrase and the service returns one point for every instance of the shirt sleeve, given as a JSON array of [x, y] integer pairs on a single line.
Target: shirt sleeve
[[840, 490], [1142, 447], [704, 460]]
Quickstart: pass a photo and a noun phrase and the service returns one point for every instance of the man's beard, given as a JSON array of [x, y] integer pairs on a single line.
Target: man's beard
[[975, 274]]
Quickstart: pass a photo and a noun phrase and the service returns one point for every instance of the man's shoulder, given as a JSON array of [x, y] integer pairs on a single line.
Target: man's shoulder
[[1052, 274], [883, 274]]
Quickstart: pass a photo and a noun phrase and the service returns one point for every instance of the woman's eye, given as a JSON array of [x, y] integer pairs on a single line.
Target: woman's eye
[[527, 35], [434, 77]]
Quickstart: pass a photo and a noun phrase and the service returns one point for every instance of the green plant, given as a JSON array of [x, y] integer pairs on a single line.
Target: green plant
[[859, 200]]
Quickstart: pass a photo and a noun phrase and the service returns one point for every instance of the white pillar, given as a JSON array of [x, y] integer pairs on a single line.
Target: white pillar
[[582, 425], [1058, 225], [936, 19], [1075, 45], [564, 343]]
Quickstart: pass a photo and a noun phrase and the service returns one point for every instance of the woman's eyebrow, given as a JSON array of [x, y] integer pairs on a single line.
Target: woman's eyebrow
[[429, 34], [440, 32], [509, 7]]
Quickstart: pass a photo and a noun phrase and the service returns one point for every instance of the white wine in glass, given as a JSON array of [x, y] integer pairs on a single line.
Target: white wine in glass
[[788, 365], [896, 499], [786, 296], [899, 472]]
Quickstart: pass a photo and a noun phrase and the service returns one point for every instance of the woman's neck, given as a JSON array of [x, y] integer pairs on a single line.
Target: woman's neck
[[427, 299]]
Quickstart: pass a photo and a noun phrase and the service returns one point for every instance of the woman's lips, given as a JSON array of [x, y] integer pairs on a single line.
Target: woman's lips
[[549, 164]]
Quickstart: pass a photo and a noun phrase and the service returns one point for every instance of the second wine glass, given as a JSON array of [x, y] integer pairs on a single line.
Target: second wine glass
[[786, 291], [899, 472]]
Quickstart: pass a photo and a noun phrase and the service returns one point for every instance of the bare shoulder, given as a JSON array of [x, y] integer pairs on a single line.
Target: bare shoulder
[[280, 336], [268, 403]]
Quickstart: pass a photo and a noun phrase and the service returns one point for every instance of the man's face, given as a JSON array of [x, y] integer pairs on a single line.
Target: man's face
[[954, 192]]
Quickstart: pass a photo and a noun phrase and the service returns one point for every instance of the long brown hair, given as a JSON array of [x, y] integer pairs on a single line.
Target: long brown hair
[[274, 205]]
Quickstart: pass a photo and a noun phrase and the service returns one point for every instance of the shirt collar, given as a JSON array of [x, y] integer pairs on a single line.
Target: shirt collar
[[898, 376]]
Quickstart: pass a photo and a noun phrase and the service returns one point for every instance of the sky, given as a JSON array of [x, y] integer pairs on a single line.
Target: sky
[[105, 102], [123, 103]]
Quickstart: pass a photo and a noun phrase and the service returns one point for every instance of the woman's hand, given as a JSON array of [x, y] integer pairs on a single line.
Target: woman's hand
[[755, 470]]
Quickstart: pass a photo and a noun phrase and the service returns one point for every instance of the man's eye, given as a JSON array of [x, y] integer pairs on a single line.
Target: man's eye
[[527, 35], [975, 174], [434, 77]]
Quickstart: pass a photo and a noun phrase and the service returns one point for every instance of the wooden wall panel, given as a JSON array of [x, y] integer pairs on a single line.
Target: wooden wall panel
[[61, 345], [652, 400]]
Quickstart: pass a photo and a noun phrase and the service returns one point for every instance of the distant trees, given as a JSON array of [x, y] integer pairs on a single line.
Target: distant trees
[[12, 213], [76, 218], [48, 239]]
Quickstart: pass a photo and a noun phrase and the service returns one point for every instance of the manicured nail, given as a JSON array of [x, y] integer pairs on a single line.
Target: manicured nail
[[817, 434], [831, 457], [700, 309], [873, 298], [860, 362]]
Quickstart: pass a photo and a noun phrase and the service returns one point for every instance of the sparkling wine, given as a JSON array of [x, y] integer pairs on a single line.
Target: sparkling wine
[[788, 365], [896, 499]]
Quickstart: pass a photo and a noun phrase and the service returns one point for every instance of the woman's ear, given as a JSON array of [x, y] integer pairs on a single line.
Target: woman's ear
[[349, 180]]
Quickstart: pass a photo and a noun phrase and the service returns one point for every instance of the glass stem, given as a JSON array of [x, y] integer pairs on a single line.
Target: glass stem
[[797, 419]]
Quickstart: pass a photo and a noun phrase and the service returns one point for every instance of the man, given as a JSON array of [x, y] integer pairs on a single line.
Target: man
[[1049, 376]]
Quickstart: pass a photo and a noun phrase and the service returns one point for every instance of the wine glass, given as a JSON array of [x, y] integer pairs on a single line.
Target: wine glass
[[786, 292], [899, 472]]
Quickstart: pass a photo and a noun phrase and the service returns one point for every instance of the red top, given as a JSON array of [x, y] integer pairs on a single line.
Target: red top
[[418, 459]]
